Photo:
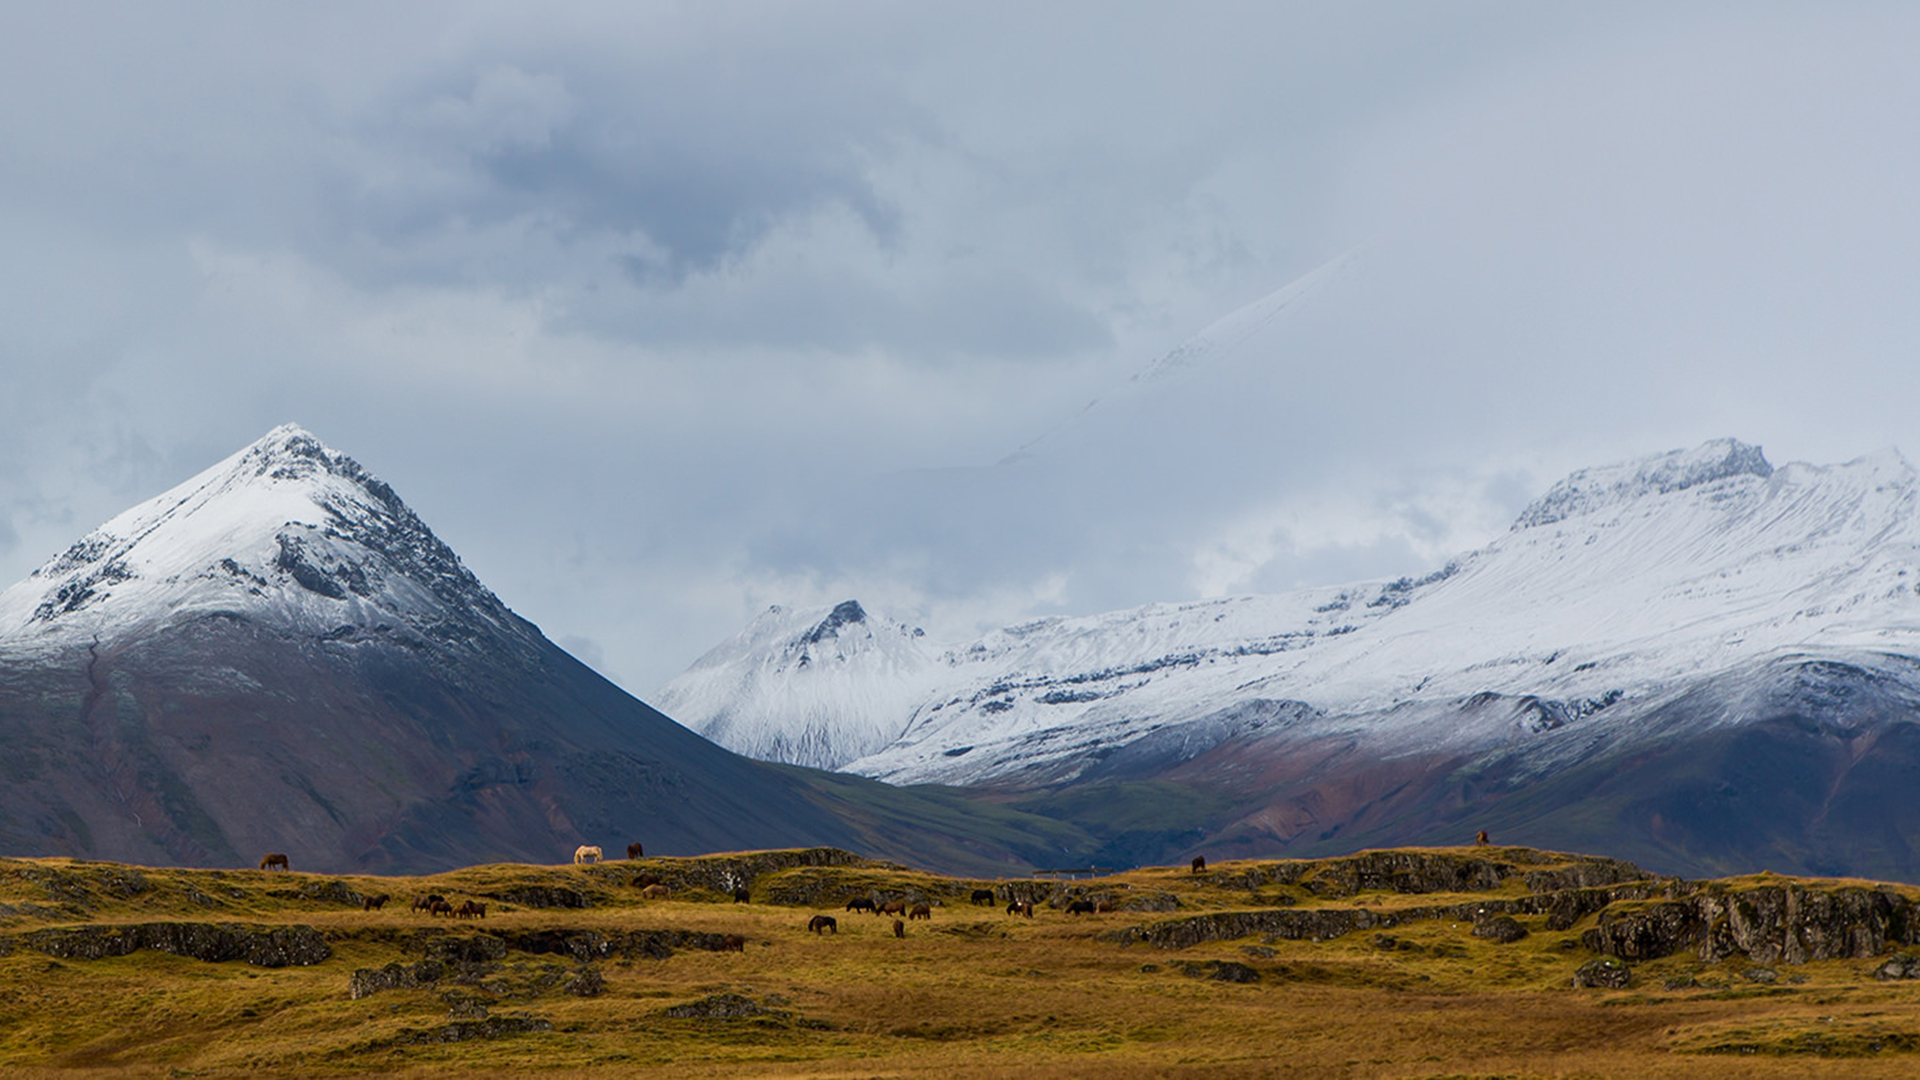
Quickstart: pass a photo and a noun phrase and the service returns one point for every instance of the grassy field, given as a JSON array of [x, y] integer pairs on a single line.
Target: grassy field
[[624, 985]]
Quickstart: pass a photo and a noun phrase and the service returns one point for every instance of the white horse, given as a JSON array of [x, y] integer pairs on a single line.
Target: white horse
[[585, 854]]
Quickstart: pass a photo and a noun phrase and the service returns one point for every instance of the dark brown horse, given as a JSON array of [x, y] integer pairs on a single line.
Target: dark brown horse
[[893, 907], [634, 850], [472, 910], [1080, 907], [921, 911], [425, 903], [861, 903], [821, 924], [1020, 907], [733, 943], [983, 897], [741, 895], [1199, 863], [274, 860], [374, 903], [899, 928], [1480, 838]]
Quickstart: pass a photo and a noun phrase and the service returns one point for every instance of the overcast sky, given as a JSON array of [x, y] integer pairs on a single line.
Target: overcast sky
[[661, 313]]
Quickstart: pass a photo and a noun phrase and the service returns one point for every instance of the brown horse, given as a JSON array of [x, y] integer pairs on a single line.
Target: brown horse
[[921, 911], [983, 897], [472, 910], [374, 903], [733, 943], [1020, 907], [425, 903], [274, 860], [821, 924], [634, 850], [1080, 907], [893, 907], [1103, 907], [1480, 839], [742, 896], [656, 892], [1199, 863], [899, 928], [861, 903]]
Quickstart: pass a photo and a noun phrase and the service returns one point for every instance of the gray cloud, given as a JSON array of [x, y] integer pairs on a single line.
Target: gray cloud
[[663, 314]]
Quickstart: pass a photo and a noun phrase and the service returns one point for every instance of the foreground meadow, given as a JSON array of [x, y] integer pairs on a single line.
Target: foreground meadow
[[1213, 973]]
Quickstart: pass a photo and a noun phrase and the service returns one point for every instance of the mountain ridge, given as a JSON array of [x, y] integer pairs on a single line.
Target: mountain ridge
[[1704, 577]]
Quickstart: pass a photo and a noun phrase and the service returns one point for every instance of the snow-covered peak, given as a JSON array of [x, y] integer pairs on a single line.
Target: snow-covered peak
[[1676, 470], [811, 686], [1621, 584], [287, 530]]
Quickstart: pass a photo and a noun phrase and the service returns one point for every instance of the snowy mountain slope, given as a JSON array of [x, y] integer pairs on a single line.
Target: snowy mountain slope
[[816, 687], [286, 529], [1616, 587], [278, 655]]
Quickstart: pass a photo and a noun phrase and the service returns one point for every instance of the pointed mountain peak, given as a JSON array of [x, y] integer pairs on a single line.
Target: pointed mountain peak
[[286, 531], [1676, 470]]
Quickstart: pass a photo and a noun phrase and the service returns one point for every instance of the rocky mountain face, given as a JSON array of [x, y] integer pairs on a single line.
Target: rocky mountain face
[[278, 655], [1694, 660]]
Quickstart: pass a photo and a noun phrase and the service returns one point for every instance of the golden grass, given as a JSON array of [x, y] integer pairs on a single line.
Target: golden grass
[[970, 993]]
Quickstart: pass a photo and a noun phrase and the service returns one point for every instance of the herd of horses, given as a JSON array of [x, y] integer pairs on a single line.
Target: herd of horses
[[652, 888]]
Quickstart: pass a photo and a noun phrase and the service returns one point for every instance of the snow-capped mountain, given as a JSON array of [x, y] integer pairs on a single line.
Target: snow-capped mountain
[[813, 687], [278, 655], [288, 530], [1703, 572]]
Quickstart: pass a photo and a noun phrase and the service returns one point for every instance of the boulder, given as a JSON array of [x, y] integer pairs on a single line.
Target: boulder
[[1504, 929], [1604, 973]]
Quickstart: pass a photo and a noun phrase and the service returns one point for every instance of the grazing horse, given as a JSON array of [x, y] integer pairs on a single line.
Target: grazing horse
[[1080, 907], [472, 910], [733, 943], [425, 903], [1480, 839], [274, 860], [820, 924], [1020, 907], [634, 850], [1103, 907], [983, 897], [645, 880], [1199, 863], [861, 903], [656, 891], [893, 907], [585, 853], [741, 895], [441, 907], [374, 903], [899, 928], [921, 911]]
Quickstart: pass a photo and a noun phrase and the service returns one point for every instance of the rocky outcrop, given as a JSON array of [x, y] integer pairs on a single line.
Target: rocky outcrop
[[262, 946], [1434, 871], [493, 1027], [1604, 973], [541, 896], [1766, 924], [720, 1007], [367, 982], [1504, 929]]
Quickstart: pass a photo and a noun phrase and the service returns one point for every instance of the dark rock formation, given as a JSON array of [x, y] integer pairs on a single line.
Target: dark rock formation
[[720, 1007], [1221, 971], [1604, 973], [1504, 929], [541, 896], [1767, 924], [276, 946], [493, 1027]]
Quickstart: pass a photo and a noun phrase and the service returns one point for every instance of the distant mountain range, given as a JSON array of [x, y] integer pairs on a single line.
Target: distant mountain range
[[278, 655], [1694, 660]]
